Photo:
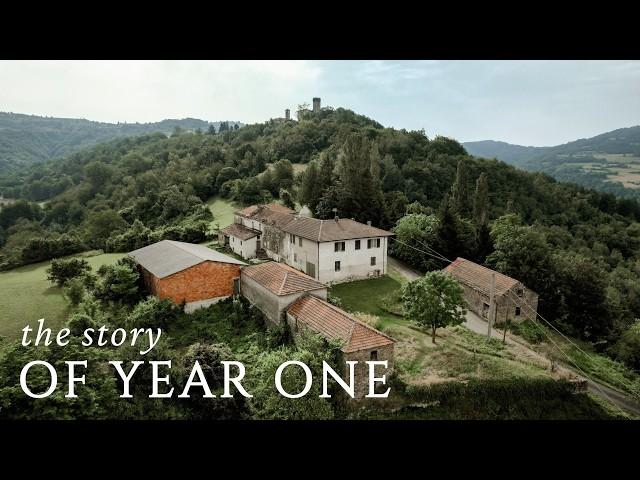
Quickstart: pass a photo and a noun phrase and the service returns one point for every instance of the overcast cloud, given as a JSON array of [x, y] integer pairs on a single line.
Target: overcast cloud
[[525, 102]]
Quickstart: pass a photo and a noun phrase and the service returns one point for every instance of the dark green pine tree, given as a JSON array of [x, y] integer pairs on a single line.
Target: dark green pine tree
[[360, 194], [481, 218], [460, 191], [450, 242]]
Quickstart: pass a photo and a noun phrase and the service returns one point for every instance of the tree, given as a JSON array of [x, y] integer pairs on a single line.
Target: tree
[[434, 301], [61, 271], [287, 199], [118, 283], [459, 191], [211, 130], [75, 291], [481, 218]]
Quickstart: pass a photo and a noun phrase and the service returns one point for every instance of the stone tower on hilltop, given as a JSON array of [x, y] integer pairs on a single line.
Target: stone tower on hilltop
[[316, 104]]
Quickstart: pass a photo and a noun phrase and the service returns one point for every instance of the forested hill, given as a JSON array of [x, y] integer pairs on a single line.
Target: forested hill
[[28, 139], [578, 248], [609, 162]]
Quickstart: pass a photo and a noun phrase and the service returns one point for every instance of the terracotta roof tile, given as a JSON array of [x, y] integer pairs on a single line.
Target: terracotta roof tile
[[330, 230], [479, 277], [240, 231], [281, 279], [335, 324]]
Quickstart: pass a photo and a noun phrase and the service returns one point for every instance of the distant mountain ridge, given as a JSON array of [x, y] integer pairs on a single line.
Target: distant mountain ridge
[[28, 139], [608, 162]]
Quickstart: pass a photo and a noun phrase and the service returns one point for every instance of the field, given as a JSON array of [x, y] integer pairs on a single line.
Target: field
[[459, 353], [26, 296], [222, 211], [623, 168]]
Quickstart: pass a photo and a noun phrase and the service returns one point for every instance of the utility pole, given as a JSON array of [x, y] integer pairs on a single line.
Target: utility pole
[[492, 305]]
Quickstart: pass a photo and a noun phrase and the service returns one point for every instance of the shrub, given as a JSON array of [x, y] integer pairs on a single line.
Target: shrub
[[74, 291], [61, 271]]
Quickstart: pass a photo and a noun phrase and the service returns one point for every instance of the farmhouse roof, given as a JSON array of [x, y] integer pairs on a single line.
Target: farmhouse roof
[[167, 257], [334, 323], [479, 277], [240, 231], [330, 230], [281, 279]]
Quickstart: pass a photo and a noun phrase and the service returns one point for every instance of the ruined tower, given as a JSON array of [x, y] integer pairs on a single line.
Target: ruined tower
[[287, 114], [316, 104]]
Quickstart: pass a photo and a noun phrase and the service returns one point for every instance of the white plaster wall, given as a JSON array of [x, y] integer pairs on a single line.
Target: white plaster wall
[[354, 264], [244, 248], [308, 252]]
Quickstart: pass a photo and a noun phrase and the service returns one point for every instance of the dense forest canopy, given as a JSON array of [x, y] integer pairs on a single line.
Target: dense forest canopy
[[29, 139], [578, 248]]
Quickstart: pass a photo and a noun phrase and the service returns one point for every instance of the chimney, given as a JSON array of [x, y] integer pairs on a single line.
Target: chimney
[[287, 114], [369, 222], [316, 104]]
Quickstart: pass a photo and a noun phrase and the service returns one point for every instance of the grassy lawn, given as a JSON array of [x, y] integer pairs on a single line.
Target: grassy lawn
[[26, 296], [222, 210], [459, 353]]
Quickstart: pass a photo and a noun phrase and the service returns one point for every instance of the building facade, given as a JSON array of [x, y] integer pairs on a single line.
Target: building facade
[[514, 301], [331, 251]]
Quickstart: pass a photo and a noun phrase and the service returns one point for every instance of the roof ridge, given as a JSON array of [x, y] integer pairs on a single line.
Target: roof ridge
[[178, 244], [351, 317], [284, 281]]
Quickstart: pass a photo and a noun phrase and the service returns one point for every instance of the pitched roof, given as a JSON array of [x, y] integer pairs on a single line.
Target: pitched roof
[[167, 257], [240, 231], [274, 207], [335, 324], [281, 279], [479, 277], [330, 230]]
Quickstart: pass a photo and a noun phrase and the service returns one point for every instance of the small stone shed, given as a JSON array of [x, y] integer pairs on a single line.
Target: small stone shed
[[514, 301], [360, 342], [187, 272], [273, 286]]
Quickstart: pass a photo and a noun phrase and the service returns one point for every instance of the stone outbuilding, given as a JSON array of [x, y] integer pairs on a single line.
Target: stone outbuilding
[[187, 272], [273, 286], [514, 301], [360, 342]]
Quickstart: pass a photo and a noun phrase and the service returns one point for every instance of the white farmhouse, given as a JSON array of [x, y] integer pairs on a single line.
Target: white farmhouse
[[331, 251]]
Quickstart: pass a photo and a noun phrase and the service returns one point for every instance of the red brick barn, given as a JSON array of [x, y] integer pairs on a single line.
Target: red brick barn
[[186, 272]]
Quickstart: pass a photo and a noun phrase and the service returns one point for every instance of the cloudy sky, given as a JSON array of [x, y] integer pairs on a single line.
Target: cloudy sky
[[525, 102]]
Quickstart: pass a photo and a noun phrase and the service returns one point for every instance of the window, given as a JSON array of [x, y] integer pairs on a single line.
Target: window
[[292, 238], [338, 247], [300, 241], [369, 243], [311, 269], [373, 355], [240, 242], [377, 243], [357, 244], [517, 311], [373, 261], [337, 266]]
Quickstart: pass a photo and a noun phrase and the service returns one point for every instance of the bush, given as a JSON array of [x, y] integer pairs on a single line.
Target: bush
[[527, 330], [152, 313], [61, 271], [74, 291], [627, 349], [79, 322]]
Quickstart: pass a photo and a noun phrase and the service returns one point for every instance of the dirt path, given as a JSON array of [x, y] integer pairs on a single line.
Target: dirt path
[[478, 325]]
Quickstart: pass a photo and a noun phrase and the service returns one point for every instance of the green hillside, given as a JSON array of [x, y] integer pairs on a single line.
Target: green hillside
[[28, 139], [609, 162]]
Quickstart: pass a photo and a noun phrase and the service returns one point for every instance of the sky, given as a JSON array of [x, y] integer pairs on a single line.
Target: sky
[[538, 103]]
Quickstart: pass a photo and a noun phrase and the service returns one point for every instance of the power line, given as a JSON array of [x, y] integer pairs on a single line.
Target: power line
[[519, 301]]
